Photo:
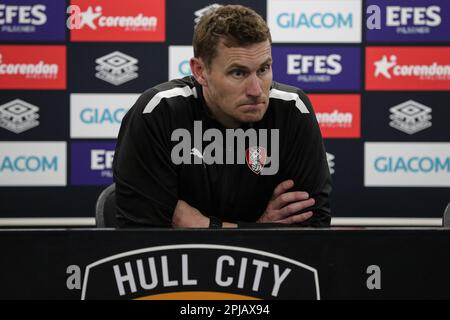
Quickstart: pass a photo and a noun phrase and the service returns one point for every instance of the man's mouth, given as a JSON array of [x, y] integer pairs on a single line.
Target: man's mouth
[[252, 106]]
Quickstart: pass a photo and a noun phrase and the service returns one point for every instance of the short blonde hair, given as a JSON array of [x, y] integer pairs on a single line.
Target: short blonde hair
[[236, 25]]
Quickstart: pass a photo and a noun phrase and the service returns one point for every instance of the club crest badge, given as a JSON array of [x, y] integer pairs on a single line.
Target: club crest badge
[[256, 158]]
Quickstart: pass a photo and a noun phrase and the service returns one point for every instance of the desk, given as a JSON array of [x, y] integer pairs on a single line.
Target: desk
[[264, 264]]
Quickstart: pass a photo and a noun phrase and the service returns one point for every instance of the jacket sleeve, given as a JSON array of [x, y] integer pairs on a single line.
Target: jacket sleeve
[[145, 177], [306, 163]]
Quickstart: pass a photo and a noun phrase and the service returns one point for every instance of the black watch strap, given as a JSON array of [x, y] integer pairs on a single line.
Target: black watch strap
[[215, 223]]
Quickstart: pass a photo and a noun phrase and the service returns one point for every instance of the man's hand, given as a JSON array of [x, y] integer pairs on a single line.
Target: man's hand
[[186, 216], [283, 205]]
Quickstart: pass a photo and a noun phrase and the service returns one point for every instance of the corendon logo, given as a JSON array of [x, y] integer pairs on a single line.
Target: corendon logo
[[32, 67], [104, 20], [339, 115], [408, 68]]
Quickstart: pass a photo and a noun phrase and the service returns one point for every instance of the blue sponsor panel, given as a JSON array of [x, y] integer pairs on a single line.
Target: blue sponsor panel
[[32, 20], [91, 163], [318, 68], [408, 20]]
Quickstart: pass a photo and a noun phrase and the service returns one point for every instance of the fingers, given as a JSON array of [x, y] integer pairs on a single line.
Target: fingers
[[295, 207], [296, 218], [288, 197], [282, 188], [285, 212], [283, 205]]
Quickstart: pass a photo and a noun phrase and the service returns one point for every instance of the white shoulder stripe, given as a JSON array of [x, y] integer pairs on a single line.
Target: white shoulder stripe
[[289, 96], [184, 92]]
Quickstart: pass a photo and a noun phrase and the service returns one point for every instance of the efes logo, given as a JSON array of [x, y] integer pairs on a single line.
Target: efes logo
[[98, 115], [338, 115], [411, 21], [32, 67], [414, 164], [408, 68], [116, 68], [179, 57], [317, 68], [18, 116], [92, 163], [105, 20], [410, 117], [315, 20], [25, 20], [199, 272]]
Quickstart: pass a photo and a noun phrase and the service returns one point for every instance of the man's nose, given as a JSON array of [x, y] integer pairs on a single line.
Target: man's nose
[[254, 88]]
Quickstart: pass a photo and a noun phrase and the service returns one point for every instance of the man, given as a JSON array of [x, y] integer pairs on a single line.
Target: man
[[226, 147]]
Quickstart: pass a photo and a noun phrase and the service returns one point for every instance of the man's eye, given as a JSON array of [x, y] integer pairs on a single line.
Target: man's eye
[[238, 73], [264, 69]]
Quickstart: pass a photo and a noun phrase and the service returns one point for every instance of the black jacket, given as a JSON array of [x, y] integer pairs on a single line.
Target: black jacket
[[149, 184]]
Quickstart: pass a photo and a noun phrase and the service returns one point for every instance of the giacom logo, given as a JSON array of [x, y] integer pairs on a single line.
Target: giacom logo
[[199, 272]]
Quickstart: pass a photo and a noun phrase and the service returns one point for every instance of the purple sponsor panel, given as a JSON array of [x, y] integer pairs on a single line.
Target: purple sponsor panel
[[32, 20], [91, 163], [409, 20], [318, 68]]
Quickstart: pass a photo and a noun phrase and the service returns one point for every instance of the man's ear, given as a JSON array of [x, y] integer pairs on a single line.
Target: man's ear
[[198, 71]]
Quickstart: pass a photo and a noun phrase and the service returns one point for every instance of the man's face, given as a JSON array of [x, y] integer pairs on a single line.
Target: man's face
[[237, 83]]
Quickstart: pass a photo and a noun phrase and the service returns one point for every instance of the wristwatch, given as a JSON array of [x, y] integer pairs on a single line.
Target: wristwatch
[[215, 223]]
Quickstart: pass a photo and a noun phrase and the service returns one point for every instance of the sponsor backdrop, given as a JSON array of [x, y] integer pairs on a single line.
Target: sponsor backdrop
[[377, 73]]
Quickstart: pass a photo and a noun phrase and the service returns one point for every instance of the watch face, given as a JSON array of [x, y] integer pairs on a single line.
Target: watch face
[[215, 223]]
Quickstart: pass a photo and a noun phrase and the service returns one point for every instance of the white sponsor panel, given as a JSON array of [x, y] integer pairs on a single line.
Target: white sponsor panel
[[413, 164], [315, 20], [179, 57], [33, 163], [98, 115]]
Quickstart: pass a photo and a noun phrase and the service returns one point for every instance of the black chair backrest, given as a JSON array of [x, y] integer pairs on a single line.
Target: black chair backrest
[[105, 210], [447, 217]]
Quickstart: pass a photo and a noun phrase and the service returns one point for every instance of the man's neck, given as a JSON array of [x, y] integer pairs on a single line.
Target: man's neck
[[225, 120]]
